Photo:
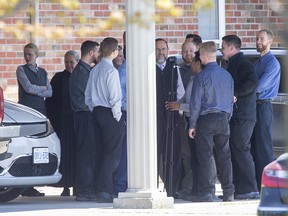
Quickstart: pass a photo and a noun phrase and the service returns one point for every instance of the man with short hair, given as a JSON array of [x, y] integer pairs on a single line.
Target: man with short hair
[[86, 153], [103, 97], [196, 39], [243, 118], [211, 107], [121, 175], [188, 50], [117, 62], [267, 69], [169, 87]]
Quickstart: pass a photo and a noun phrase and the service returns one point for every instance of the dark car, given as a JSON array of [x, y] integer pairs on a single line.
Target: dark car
[[274, 191]]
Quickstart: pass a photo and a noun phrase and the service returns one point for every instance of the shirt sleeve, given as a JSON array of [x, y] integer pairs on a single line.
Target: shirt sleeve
[[195, 102], [46, 93], [88, 95], [27, 85], [115, 94], [180, 86], [184, 107]]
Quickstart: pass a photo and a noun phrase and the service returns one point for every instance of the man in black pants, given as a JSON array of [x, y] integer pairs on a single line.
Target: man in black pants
[[243, 118], [211, 107], [103, 95], [86, 149], [164, 76]]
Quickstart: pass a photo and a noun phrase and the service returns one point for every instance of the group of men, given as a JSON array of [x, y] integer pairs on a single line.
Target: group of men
[[96, 100], [229, 115], [222, 115]]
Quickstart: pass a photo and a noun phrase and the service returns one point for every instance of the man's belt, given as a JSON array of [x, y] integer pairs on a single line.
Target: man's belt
[[263, 101]]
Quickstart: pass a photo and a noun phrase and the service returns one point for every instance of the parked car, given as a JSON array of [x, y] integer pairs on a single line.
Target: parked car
[[280, 103], [274, 191], [29, 150]]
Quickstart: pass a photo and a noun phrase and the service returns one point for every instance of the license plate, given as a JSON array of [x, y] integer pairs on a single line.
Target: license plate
[[40, 155]]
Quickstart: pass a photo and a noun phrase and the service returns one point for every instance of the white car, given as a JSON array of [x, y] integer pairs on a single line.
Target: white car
[[29, 150]]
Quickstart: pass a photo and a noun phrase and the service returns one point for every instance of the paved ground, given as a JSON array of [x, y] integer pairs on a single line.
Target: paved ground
[[54, 205]]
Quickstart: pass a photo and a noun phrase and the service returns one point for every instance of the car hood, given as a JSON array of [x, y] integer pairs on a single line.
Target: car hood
[[20, 114]]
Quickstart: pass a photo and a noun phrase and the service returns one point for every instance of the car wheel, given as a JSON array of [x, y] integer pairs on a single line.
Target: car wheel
[[9, 193]]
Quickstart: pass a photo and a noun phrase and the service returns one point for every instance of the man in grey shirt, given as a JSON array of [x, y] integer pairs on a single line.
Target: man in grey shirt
[[86, 155]]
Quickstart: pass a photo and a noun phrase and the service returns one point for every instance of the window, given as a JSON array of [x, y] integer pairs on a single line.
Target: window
[[211, 22]]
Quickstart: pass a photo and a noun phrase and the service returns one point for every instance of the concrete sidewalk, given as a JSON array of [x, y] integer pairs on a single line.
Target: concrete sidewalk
[[55, 205]]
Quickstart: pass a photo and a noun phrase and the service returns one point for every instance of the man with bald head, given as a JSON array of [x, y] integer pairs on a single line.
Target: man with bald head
[[188, 50]]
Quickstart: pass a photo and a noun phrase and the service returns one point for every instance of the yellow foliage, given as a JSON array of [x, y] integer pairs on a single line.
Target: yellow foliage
[[69, 4], [117, 17], [203, 4], [7, 6]]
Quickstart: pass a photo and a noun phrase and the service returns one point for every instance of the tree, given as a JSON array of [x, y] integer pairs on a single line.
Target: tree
[[117, 17]]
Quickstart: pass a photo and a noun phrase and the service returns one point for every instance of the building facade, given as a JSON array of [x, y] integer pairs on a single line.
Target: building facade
[[241, 17]]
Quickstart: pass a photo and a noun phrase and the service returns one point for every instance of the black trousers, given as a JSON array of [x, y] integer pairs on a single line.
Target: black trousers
[[109, 136], [195, 167], [213, 130], [85, 152], [170, 143], [243, 165]]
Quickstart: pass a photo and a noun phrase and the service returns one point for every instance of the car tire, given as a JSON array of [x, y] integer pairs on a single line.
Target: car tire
[[9, 193]]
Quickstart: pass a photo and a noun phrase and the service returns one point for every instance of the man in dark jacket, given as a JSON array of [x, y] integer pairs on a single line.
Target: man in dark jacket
[[87, 156], [243, 119], [169, 87]]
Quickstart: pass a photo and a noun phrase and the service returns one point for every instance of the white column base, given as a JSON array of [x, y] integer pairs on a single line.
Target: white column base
[[143, 200]]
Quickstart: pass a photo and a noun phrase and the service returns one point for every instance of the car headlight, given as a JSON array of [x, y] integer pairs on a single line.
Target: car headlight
[[49, 130]]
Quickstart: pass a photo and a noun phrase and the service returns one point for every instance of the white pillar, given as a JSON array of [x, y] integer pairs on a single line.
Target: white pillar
[[141, 112]]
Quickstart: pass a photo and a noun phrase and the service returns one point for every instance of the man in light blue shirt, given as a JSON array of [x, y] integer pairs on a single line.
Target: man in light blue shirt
[[120, 175], [103, 97], [267, 68]]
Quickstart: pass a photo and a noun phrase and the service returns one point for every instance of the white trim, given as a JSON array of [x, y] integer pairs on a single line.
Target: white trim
[[222, 21], [221, 24]]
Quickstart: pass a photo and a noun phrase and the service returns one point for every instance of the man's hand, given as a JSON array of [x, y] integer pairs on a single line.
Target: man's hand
[[192, 133], [235, 99], [172, 106]]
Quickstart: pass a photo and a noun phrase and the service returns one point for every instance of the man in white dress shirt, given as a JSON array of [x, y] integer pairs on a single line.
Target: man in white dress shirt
[[103, 96]]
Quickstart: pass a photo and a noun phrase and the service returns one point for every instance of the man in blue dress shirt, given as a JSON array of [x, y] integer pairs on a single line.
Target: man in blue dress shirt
[[120, 175], [211, 107], [267, 68]]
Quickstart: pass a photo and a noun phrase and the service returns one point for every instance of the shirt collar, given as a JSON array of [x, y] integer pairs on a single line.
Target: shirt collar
[[107, 60], [84, 64], [33, 67], [162, 65]]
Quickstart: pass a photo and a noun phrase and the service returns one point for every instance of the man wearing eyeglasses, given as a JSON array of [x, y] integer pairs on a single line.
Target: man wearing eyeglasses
[[169, 87]]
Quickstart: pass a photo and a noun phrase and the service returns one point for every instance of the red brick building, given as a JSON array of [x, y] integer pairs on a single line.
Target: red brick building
[[241, 17]]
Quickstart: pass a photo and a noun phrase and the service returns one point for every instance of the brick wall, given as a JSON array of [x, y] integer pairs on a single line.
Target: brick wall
[[243, 17]]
